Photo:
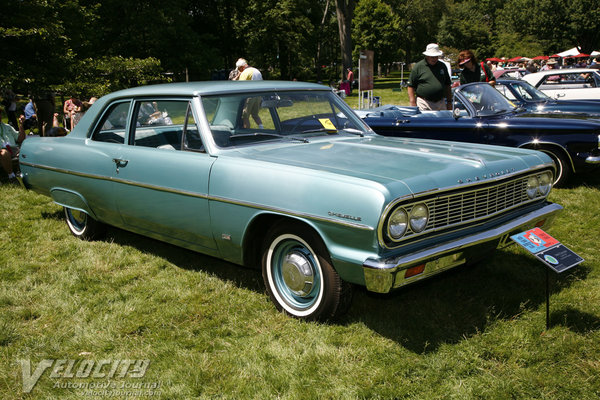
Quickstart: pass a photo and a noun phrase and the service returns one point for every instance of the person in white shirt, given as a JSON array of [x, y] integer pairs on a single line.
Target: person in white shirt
[[10, 141], [252, 108]]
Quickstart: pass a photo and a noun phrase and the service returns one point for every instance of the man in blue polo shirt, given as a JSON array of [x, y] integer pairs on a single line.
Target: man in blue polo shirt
[[429, 82]]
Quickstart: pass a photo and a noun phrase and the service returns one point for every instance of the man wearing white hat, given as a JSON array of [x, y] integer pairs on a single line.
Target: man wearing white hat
[[429, 82], [252, 107]]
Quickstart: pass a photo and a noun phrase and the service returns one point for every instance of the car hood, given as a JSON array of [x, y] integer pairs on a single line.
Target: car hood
[[583, 107], [556, 120], [417, 164]]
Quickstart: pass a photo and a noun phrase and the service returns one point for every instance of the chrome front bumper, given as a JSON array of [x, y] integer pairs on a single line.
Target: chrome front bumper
[[592, 160], [382, 275]]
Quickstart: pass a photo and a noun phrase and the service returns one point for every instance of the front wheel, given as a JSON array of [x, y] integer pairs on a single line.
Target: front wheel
[[299, 276], [563, 168], [82, 225]]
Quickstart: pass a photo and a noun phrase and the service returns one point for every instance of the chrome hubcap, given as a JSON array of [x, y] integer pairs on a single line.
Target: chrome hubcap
[[298, 274]]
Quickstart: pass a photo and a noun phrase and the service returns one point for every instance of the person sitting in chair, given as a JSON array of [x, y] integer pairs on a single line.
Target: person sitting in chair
[[10, 140]]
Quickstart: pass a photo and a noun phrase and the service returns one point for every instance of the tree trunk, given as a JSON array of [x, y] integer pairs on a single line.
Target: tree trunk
[[320, 42], [345, 12]]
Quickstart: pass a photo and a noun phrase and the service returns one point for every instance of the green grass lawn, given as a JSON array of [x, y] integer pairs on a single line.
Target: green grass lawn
[[210, 331]]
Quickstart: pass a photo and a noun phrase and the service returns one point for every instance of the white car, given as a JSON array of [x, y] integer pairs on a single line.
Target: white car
[[568, 83]]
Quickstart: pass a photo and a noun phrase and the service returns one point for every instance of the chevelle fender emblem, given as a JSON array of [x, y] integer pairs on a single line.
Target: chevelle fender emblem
[[345, 216]]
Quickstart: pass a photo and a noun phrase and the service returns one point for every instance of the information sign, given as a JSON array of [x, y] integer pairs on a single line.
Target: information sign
[[547, 249]]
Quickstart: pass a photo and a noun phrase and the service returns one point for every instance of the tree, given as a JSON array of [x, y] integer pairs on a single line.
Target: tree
[[153, 29], [76, 44], [35, 49], [467, 25], [583, 26], [345, 12], [102, 75], [375, 27], [541, 23], [418, 24], [514, 45]]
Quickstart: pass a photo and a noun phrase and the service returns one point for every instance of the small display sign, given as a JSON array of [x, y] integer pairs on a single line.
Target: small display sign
[[547, 249], [327, 124]]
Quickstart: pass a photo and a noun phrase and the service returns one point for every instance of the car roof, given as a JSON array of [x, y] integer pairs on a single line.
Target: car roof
[[508, 81], [562, 71], [214, 87]]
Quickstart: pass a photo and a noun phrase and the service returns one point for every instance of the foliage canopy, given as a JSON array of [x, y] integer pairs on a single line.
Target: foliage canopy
[[93, 47]]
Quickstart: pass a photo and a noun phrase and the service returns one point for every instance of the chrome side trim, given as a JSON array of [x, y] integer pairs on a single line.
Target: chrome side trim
[[536, 143], [117, 180], [382, 275], [291, 213], [205, 196]]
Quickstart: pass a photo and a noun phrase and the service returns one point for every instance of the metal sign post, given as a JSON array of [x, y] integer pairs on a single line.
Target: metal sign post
[[547, 298]]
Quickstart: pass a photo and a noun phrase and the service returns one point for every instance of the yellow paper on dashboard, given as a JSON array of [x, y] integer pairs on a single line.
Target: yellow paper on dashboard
[[327, 124]]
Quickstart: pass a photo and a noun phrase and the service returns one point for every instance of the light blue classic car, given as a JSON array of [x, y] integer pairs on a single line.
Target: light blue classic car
[[284, 175]]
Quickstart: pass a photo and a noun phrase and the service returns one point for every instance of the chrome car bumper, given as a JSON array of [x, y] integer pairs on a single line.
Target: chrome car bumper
[[382, 275], [592, 160]]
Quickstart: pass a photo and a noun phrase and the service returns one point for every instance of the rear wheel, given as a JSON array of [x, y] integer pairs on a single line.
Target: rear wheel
[[299, 276], [83, 226]]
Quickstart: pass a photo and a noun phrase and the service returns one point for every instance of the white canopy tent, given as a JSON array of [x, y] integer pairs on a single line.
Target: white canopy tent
[[573, 52]]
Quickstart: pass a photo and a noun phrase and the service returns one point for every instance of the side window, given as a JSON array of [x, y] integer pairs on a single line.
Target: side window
[[159, 123], [111, 128], [505, 91], [524, 93], [549, 80], [191, 136]]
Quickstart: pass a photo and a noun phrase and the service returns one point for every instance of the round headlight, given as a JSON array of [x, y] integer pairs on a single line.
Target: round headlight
[[419, 215], [397, 223], [532, 186], [545, 183]]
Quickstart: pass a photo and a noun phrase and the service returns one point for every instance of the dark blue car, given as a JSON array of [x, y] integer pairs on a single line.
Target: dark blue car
[[522, 94], [481, 114]]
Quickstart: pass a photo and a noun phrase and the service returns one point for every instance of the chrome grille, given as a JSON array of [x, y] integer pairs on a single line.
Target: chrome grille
[[458, 208], [462, 207]]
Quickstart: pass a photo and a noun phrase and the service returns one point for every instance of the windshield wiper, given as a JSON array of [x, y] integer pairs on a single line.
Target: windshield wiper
[[275, 135], [349, 130], [333, 131]]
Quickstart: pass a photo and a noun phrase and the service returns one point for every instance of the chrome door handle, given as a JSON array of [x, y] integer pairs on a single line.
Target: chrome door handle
[[120, 162]]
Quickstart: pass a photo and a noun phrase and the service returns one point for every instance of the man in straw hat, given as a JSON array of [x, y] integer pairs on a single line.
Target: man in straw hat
[[429, 82]]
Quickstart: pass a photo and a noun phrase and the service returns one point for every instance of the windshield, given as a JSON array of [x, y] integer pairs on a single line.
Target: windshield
[[250, 118], [485, 99], [524, 89]]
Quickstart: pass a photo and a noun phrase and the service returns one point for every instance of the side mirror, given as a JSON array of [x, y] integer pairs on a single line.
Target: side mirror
[[456, 112]]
